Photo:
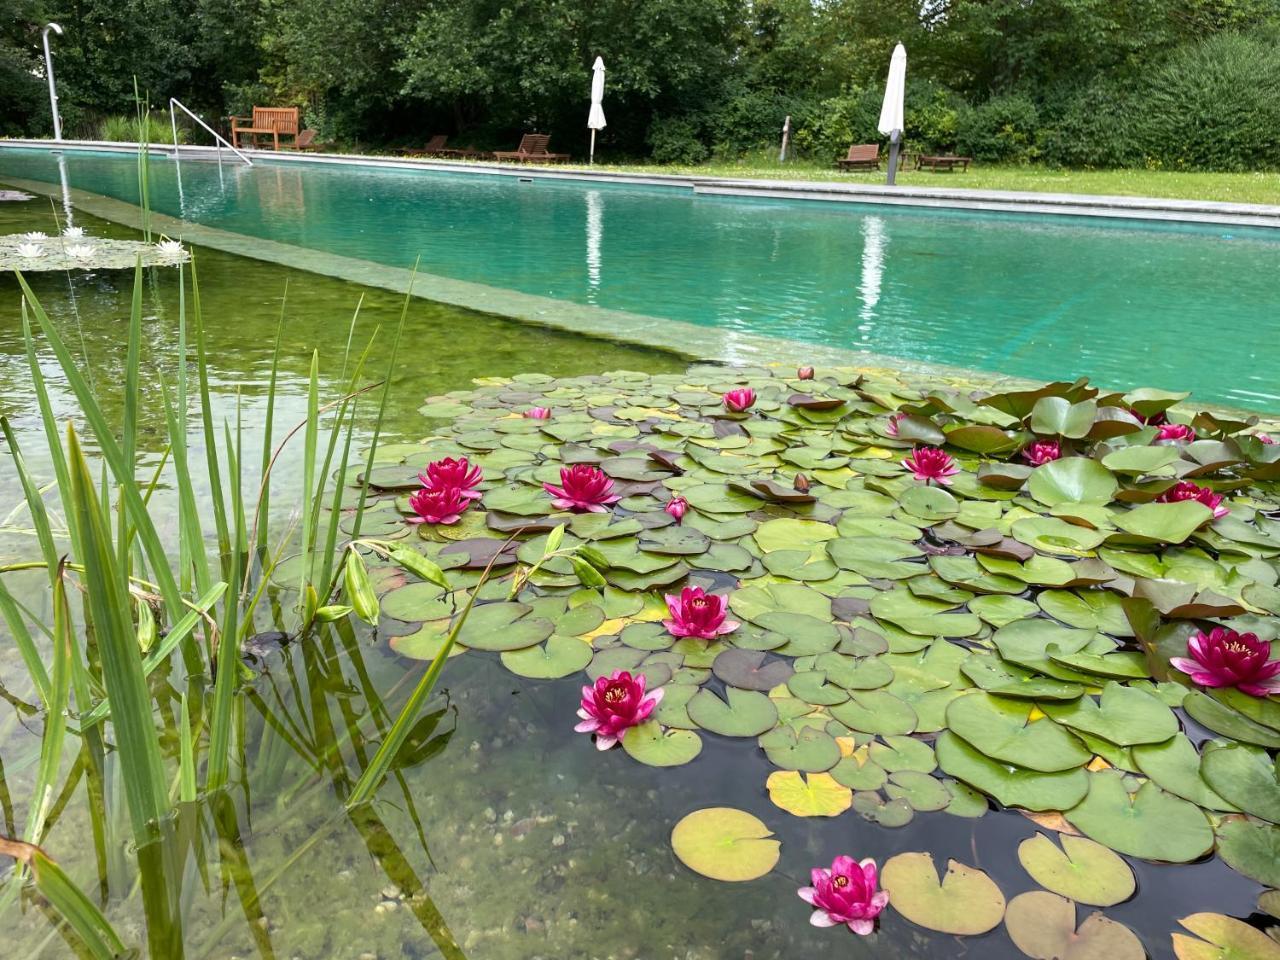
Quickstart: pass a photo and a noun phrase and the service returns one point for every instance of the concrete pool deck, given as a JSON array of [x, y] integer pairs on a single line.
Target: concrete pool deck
[[989, 201]]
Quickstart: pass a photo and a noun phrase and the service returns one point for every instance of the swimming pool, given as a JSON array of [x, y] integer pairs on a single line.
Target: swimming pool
[[1176, 306]]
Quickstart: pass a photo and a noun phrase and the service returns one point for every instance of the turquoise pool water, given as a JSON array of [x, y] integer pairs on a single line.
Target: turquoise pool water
[[1178, 307]]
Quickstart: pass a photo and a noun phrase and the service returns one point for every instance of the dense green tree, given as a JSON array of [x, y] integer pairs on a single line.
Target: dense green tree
[[21, 71]]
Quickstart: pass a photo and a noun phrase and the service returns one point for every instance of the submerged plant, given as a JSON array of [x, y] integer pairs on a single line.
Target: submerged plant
[[845, 893], [696, 613], [1226, 658], [614, 704]]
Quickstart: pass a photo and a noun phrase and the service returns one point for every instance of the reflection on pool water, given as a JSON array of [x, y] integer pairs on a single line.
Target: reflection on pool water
[[1179, 307]]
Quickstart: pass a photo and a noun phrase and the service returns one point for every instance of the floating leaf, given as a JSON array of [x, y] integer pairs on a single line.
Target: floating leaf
[[1012, 786], [652, 745], [1043, 926], [749, 670], [1222, 938], [1165, 522], [1072, 480], [810, 749], [1123, 715], [1082, 870], [965, 902], [558, 657], [744, 713], [876, 711], [1244, 775], [1175, 766], [1222, 719], [808, 795], [1149, 823], [1002, 730], [1251, 847], [725, 844]]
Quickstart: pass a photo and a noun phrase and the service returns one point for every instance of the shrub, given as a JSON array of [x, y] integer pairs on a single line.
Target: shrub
[[125, 129], [1097, 128], [1002, 130], [831, 125], [677, 139]]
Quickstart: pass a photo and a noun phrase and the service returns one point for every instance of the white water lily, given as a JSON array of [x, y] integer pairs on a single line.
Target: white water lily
[[170, 248], [30, 250], [73, 233], [34, 235], [80, 251]]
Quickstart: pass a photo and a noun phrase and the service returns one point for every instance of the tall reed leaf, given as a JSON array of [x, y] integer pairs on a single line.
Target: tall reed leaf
[[108, 606], [55, 717]]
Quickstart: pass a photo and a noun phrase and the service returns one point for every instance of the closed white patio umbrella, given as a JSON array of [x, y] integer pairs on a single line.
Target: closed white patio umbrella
[[891, 122], [595, 119]]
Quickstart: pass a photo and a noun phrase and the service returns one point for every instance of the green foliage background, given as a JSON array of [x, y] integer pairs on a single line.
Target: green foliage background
[[1181, 84]]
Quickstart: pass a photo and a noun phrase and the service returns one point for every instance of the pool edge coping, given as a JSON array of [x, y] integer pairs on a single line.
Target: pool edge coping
[[1102, 206]]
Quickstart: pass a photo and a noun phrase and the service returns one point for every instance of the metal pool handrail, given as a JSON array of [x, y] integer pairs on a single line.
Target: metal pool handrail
[[173, 122]]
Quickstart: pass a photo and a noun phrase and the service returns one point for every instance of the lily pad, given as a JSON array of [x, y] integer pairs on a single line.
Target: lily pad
[[1001, 729], [1043, 926], [1244, 775], [1123, 715], [1165, 522], [876, 711], [1220, 718], [1010, 785], [724, 843], [1251, 847], [810, 750], [808, 795], [749, 670], [1081, 870], [650, 744], [743, 713], [1222, 938], [965, 901], [1072, 480], [1149, 823], [558, 657], [1175, 766]]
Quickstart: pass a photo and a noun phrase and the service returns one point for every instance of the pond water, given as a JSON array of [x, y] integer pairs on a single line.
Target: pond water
[[1191, 308], [503, 834]]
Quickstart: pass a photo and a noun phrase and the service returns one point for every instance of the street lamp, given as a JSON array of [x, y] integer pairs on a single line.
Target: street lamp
[[48, 69]]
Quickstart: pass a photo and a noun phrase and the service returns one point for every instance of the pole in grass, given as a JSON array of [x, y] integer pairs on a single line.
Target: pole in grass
[[595, 118], [48, 70], [891, 120], [786, 139]]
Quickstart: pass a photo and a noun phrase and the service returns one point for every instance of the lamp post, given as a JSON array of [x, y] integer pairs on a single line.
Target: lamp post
[[48, 69]]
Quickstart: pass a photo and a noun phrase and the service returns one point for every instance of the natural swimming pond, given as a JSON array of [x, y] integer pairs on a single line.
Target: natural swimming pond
[[1186, 307], [501, 833]]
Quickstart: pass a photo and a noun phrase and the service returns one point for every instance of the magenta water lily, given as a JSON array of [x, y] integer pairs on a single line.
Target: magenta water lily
[[538, 413], [1175, 433], [739, 401], [458, 474], [1225, 658], [845, 894], [442, 505], [891, 425], [613, 704], [1186, 490], [1041, 452], [583, 488], [696, 613], [931, 465], [676, 508], [804, 373]]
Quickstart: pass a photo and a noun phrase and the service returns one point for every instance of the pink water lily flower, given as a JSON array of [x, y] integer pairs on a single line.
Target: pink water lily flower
[[804, 373], [891, 428], [930, 464], [1265, 438], [1186, 490], [442, 505], [696, 613], [583, 488], [739, 401], [1175, 433], [676, 507], [538, 413], [613, 705], [1041, 452], [1225, 658], [460, 474], [846, 894]]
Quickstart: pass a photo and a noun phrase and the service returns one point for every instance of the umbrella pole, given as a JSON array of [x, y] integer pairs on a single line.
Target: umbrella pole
[[893, 157], [591, 157]]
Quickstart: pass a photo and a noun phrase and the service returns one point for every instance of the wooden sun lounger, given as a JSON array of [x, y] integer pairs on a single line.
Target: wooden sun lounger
[[266, 121], [861, 156], [532, 149], [947, 163], [434, 147]]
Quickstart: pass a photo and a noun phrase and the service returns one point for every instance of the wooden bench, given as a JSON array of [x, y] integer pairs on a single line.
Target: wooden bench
[[861, 156], [267, 121], [533, 148], [947, 163]]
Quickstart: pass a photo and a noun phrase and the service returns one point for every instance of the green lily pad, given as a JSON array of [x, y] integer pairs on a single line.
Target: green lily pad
[[888, 813], [810, 750], [1251, 848], [805, 635], [859, 772], [1000, 611], [650, 744], [1028, 643], [1081, 870], [1139, 460], [854, 673], [503, 626], [1001, 729], [744, 713], [1087, 610], [924, 793], [1149, 823], [1175, 766], [1165, 522], [789, 534], [812, 686], [1072, 480], [1220, 718], [1043, 926], [899, 753], [748, 669], [876, 711], [1222, 938], [1007, 680], [1244, 775], [920, 615], [1010, 785], [558, 657], [1124, 716], [752, 601], [725, 844], [964, 902], [415, 602], [672, 711]]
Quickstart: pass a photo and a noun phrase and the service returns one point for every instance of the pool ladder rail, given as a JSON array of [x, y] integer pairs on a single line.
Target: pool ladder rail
[[219, 140]]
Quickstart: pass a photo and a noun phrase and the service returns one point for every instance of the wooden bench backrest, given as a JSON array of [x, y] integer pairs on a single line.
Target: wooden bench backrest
[[280, 119], [863, 151], [534, 143]]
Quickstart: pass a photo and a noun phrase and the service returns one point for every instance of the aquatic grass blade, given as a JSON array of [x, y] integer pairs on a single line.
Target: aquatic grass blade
[[34, 500], [206, 421], [262, 511], [27, 648], [55, 724], [108, 603]]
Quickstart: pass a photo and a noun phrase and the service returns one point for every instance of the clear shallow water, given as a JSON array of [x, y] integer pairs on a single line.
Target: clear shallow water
[[1176, 307]]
